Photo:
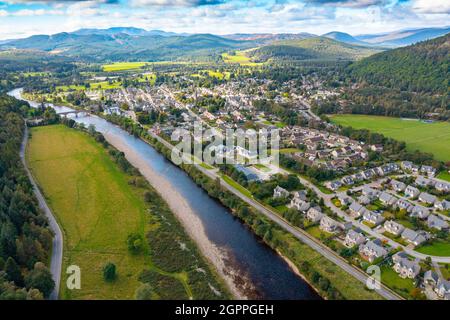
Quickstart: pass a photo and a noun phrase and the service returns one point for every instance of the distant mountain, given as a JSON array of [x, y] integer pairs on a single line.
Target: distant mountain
[[123, 46], [266, 38], [126, 30], [343, 37], [318, 48], [422, 67], [403, 38]]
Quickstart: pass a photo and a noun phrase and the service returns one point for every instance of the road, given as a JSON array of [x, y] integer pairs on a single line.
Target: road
[[298, 233], [57, 246]]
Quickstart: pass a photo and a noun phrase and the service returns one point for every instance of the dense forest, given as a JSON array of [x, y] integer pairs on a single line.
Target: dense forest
[[25, 239]]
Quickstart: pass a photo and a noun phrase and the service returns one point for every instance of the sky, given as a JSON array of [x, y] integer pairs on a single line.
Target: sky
[[22, 18]]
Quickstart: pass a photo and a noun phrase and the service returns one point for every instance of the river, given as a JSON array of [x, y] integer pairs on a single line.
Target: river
[[251, 268]]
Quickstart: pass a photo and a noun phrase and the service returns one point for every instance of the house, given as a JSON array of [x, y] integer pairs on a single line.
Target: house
[[420, 212], [372, 250], [302, 195], [413, 237], [354, 238], [368, 174], [279, 192], [427, 198], [436, 222], [365, 200], [405, 267], [429, 170], [393, 227], [442, 186], [314, 214], [299, 204], [357, 209], [439, 285], [333, 185], [373, 217], [345, 200], [397, 186], [411, 192], [423, 182], [442, 205], [402, 204], [368, 191], [348, 180], [376, 147], [387, 169], [407, 165], [387, 198], [329, 225]]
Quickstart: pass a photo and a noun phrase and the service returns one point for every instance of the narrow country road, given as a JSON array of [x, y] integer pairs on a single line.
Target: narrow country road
[[298, 233], [57, 246]]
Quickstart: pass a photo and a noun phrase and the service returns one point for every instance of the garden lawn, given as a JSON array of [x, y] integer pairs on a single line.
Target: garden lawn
[[426, 137], [436, 248]]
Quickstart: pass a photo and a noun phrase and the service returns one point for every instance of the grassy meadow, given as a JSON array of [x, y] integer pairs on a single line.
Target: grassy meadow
[[123, 66], [239, 58], [97, 207], [418, 135]]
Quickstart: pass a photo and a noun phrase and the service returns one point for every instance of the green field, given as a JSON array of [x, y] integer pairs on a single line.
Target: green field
[[436, 248], [98, 207], [239, 58], [123, 66], [390, 278], [426, 137]]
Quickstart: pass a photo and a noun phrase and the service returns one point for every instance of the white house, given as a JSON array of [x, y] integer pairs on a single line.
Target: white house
[[393, 227], [411, 192], [405, 267], [279, 192], [372, 250], [354, 238]]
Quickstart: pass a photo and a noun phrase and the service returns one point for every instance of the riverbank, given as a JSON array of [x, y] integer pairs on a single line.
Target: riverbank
[[184, 213]]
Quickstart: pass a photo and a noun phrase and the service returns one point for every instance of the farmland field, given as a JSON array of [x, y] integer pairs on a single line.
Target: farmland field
[[418, 135], [239, 58], [98, 207], [123, 66]]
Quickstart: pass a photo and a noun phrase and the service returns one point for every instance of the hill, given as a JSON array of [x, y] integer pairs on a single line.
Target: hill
[[404, 37], [344, 37], [318, 48], [124, 46], [418, 68]]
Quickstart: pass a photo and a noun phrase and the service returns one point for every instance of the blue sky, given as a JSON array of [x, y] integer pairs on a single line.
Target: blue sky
[[21, 18]]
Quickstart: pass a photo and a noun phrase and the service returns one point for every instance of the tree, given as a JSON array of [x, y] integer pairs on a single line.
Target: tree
[[40, 278], [13, 272], [109, 272], [134, 243], [144, 292]]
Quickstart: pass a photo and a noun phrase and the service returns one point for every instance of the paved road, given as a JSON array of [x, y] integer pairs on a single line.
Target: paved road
[[298, 233], [57, 247]]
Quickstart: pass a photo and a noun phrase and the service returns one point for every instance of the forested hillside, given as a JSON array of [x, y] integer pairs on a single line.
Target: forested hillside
[[25, 240], [423, 67], [318, 48]]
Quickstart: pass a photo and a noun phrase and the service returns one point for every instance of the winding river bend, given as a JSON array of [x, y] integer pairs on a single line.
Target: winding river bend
[[251, 268]]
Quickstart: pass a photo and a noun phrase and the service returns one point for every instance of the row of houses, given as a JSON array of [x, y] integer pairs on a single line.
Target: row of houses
[[368, 174]]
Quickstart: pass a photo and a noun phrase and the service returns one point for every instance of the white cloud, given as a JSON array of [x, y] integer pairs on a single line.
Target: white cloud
[[431, 6]]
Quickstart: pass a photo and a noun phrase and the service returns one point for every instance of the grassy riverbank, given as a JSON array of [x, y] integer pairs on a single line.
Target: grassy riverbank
[[99, 200]]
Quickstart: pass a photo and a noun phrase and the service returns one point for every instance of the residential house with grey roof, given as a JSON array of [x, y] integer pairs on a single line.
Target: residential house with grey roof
[[397, 186], [420, 212], [387, 198], [402, 204], [413, 237], [423, 182], [442, 186], [440, 286], [405, 267], [436, 222], [373, 217], [314, 214], [427, 198], [357, 209], [442, 205], [353, 238], [429, 170], [372, 250], [299, 204], [328, 224], [280, 192], [393, 227], [412, 192]]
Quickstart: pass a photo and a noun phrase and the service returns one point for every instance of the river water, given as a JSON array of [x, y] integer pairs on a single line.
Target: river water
[[269, 276]]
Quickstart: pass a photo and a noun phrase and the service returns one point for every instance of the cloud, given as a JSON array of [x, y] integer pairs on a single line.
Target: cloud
[[175, 3], [431, 6], [348, 3]]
